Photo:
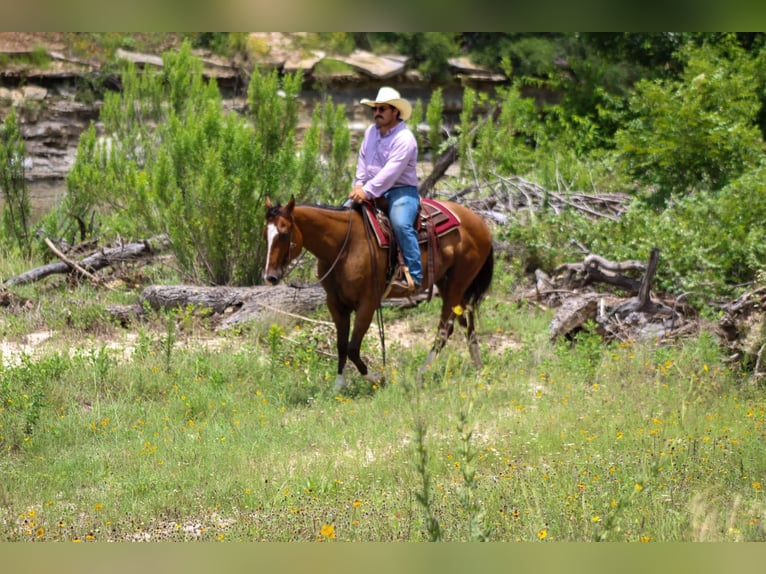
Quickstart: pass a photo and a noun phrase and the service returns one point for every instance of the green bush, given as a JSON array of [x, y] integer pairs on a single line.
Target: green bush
[[709, 242], [697, 132], [172, 161]]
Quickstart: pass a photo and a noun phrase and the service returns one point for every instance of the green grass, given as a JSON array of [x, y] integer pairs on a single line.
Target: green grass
[[193, 436]]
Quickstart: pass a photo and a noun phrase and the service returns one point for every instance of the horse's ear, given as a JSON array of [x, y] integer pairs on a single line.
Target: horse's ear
[[267, 203], [290, 204]]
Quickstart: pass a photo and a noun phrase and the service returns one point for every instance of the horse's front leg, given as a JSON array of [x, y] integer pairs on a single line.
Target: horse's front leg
[[362, 322], [341, 316]]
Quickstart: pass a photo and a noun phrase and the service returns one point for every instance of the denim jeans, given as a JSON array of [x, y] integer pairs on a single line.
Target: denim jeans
[[403, 203]]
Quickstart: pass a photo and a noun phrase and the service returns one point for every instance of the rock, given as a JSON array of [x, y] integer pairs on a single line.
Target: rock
[[380, 67], [35, 93]]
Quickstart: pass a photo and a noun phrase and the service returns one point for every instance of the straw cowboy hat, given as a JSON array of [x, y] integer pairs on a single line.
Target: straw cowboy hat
[[391, 97]]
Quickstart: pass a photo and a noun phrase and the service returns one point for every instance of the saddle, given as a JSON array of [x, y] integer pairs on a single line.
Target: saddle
[[434, 219]]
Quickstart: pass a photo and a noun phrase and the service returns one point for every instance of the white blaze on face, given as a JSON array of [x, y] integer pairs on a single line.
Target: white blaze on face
[[271, 234]]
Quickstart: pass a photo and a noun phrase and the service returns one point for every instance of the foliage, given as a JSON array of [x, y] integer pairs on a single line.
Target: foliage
[[222, 43], [697, 132], [16, 204], [24, 391], [428, 51], [175, 163], [323, 174], [504, 143], [435, 121], [709, 242]]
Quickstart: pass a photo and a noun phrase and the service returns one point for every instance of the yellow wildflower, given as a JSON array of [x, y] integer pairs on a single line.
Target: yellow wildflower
[[328, 531]]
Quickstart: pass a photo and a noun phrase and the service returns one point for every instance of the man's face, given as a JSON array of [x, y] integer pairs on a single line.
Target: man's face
[[385, 116]]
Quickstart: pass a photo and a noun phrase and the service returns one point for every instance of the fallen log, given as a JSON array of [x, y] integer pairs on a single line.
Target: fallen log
[[237, 305], [634, 318], [93, 262]]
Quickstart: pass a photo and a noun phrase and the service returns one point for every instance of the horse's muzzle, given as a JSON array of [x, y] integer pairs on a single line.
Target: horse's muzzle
[[271, 279]]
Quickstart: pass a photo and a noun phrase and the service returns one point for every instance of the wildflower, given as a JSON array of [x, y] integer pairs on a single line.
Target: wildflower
[[543, 534], [98, 506], [638, 487], [40, 532], [595, 519], [328, 531], [757, 485], [357, 503]]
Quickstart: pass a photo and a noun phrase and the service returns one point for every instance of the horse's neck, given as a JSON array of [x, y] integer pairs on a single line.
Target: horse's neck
[[324, 230]]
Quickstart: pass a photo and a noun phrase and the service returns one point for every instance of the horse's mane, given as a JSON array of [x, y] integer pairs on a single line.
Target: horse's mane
[[274, 210], [325, 206]]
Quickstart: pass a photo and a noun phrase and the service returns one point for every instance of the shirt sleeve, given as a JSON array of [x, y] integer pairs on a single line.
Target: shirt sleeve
[[361, 162]]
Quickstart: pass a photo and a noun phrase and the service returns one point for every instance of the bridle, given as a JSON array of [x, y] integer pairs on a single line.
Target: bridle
[[289, 267]]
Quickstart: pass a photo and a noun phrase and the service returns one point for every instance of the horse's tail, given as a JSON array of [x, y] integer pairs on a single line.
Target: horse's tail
[[480, 285]]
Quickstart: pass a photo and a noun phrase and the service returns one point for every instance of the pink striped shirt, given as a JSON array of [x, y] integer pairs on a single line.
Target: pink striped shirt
[[388, 161]]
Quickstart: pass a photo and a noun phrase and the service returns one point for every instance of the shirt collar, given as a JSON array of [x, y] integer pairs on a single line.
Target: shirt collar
[[392, 131]]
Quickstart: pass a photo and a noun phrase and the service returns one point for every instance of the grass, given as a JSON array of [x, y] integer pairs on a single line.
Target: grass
[[241, 437]]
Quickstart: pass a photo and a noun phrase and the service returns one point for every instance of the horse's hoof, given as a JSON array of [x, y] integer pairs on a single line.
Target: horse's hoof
[[427, 363], [375, 378], [340, 383]]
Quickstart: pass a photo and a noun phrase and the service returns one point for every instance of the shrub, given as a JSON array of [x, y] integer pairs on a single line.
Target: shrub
[[172, 161], [16, 206], [698, 132]]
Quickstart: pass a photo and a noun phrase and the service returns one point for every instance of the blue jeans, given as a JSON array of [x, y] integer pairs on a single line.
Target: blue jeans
[[403, 204]]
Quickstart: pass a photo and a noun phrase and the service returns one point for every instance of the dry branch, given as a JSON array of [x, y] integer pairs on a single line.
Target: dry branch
[[94, 262]]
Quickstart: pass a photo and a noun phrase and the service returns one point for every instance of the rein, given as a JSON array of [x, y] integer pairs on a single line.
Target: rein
[[294, 264], [376, 288]]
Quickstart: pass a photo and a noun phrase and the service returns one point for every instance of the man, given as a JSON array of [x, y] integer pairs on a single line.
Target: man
[[387, 168]]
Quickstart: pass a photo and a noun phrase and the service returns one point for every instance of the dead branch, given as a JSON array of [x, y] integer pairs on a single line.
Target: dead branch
[[94, 262], [71, 263]]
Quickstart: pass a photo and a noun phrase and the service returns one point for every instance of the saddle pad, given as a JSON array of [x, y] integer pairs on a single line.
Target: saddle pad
[[432, 211]]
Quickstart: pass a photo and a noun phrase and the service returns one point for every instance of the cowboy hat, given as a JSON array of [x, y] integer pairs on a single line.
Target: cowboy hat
[[390, 96]]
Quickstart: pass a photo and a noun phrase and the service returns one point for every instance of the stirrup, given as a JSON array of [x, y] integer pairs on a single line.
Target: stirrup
[[407, 285]]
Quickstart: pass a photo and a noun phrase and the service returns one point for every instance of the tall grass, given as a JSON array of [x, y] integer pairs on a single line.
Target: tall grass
[[241, 437]]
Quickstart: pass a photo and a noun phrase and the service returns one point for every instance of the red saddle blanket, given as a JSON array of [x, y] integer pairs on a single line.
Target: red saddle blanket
[[432, 211]]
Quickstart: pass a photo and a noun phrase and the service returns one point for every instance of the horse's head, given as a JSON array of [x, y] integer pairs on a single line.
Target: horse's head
[[283, 240]]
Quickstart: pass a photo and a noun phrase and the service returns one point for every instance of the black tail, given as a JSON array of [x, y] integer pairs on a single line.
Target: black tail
[[477, 290]]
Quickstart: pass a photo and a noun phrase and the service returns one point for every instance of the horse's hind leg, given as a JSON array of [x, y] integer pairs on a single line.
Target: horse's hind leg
[[468, 321], [446, 326]]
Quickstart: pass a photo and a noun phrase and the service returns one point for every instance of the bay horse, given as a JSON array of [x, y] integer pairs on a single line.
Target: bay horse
[[352, 268]]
